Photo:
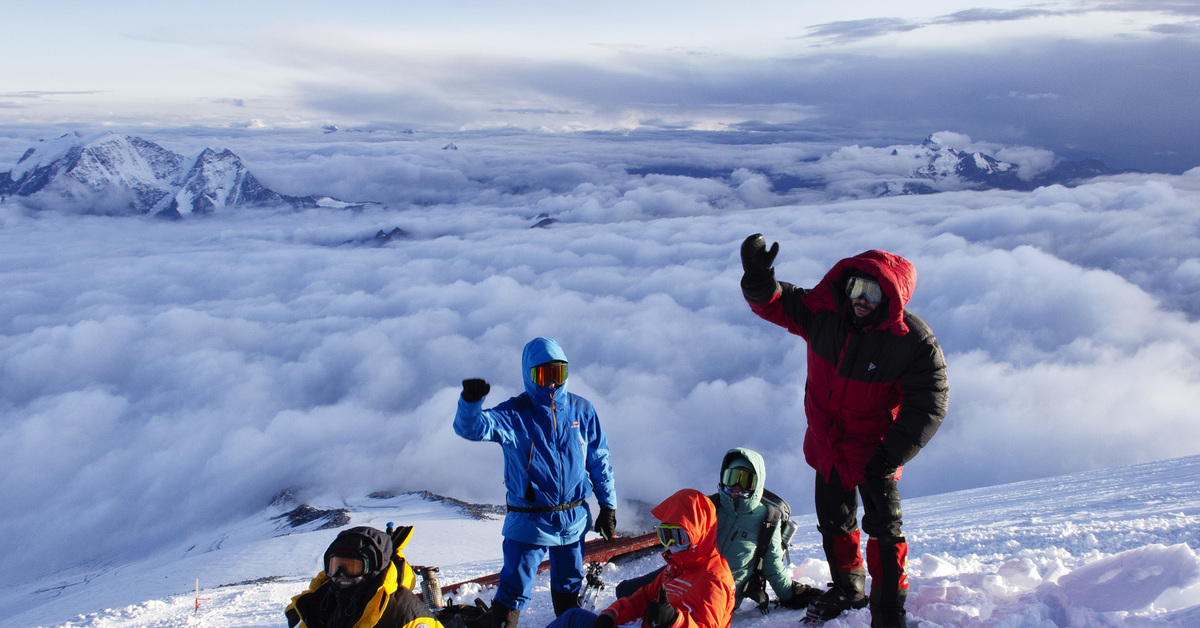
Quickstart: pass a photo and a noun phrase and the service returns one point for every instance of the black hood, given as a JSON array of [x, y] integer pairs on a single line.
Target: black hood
[[375, 546]]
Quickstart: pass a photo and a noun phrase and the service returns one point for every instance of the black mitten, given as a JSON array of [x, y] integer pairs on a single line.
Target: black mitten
[[475, 389], [606, 523], [660, 613]]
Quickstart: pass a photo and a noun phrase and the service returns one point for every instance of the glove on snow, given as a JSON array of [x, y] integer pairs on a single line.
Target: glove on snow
[[475, 389], [802, 596], [606, 523]]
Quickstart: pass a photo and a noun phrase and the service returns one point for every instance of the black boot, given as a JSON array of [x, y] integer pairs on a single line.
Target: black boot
[[563, 601], [845, 593], [848, 589], [503, 616], [888, 614]]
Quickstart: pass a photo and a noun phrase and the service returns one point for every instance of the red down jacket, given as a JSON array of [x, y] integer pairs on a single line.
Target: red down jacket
[[882, 387]]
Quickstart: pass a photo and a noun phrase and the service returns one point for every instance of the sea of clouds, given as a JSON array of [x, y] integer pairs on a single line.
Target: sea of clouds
[[160, 378]]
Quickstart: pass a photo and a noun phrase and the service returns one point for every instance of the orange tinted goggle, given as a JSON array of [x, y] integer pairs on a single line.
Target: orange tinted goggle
[[349, 565], [549, 373], [739, 477]]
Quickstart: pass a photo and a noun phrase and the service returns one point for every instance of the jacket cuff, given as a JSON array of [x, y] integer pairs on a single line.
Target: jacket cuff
[[759, 287]]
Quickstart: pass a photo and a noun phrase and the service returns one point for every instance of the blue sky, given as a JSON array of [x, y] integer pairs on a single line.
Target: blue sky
[[1112, 80]]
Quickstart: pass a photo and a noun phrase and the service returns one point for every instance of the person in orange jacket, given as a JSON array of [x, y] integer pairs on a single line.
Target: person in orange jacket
[[695, 590]]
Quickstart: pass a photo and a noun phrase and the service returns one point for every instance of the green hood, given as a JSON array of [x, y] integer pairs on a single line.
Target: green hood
[[760, 476]]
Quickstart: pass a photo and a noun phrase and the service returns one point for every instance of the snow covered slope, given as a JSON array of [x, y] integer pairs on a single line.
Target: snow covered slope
[[1107, 548]]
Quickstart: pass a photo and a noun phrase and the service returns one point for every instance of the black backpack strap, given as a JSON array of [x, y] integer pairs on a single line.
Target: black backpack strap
[[774, 515], [756, 582]]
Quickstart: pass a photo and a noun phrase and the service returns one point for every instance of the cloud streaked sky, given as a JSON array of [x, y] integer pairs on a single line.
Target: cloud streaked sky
[[1111, 80]]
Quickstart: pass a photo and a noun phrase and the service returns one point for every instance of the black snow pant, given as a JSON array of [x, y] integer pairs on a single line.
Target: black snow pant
[[887, 551]]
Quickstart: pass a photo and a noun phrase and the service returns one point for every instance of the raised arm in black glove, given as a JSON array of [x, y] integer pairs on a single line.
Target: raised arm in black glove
[[660, 613], [758, 282], [606, 522], [756, 259], [475, 389]]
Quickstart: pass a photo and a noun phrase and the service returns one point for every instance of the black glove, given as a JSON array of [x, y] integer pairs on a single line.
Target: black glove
[[878, 467], [756, 259], [758, 282], [660, 613], [606, 522], [802, 596], [756, 591], [605, 620], [475, 389]]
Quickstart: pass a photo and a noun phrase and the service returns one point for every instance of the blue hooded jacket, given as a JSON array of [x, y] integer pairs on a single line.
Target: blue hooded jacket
[[555, 452]]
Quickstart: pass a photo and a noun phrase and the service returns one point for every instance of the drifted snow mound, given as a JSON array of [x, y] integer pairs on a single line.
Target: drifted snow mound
[[1155, 577]]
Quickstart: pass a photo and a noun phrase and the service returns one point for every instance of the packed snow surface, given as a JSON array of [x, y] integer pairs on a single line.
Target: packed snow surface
[[1107, 548]]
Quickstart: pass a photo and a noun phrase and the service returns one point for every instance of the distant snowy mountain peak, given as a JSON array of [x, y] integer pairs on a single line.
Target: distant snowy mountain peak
[[117, 173], [108, 173], [216, 181]]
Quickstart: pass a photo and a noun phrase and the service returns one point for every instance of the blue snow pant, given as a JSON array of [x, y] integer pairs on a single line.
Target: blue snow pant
[[521, 561], [574, 618]]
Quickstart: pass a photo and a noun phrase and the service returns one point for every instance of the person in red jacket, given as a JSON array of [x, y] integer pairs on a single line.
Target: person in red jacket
[[875, 394], [696, 588]]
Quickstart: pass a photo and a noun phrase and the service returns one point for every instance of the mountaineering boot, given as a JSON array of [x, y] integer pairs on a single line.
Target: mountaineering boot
[[503, 616], [563, 601], [888, 616], [887, 559], [845, 593]]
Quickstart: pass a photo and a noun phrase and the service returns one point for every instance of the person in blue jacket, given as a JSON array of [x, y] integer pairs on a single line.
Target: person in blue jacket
[[555, 457]]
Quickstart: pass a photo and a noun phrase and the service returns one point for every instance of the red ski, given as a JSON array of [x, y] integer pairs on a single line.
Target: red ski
[[597, 551]]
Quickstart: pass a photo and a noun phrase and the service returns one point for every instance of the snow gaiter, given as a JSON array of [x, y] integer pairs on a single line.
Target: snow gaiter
[[887, 559], [845, 562]]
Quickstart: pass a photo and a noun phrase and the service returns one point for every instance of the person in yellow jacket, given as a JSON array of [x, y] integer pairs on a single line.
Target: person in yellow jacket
[[361, 587]]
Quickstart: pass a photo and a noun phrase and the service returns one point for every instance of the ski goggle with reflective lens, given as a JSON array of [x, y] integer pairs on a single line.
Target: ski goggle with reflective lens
[[670, 534], [739, 477], [867, 289], [350, 566], [549, 373]]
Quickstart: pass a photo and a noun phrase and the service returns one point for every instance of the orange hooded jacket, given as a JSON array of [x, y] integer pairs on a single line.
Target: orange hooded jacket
[[698, 582]]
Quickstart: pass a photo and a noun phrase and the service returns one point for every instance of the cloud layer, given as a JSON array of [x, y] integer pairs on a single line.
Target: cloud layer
[[158, 379]]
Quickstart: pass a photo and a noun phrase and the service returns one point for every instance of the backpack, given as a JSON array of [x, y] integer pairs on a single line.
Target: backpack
[[779, 513]]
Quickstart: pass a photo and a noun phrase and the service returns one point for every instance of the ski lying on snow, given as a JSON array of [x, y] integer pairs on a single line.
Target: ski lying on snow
[[597, 551]]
